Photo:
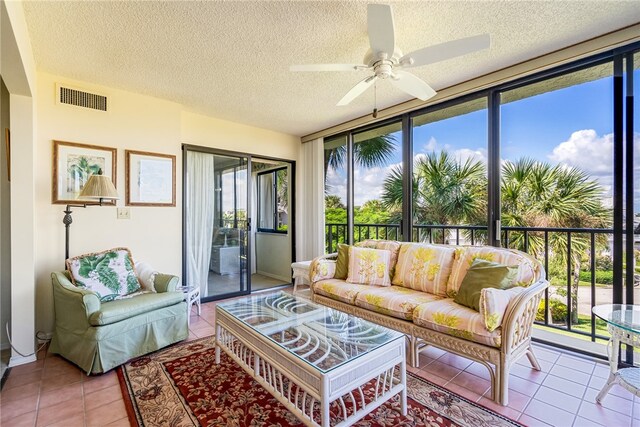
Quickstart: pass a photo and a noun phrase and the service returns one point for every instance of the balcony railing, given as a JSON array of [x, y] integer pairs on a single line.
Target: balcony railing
[[564, 246]]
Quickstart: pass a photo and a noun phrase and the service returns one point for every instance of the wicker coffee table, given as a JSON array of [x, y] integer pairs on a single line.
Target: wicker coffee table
[[313, 358]]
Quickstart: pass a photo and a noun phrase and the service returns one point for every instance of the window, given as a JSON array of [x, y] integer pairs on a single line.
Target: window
[[273, 201], [450, 174]]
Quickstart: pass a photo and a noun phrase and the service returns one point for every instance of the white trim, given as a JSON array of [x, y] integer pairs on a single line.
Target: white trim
[[274, 276], [21, 360]]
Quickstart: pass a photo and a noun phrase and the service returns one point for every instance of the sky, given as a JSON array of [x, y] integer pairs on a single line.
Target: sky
[[571, 126]]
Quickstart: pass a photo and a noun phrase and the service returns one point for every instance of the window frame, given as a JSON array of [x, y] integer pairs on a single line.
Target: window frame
[[274, 201]]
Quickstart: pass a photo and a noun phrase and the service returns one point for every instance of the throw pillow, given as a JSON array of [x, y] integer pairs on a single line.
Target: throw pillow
[[342, 263], [369, 266], [493, 304], [424, 267], [484, 274], [110, 274], [146, 276], [321, 269]]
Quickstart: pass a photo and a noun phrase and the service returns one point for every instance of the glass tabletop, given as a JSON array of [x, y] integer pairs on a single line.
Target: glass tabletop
[[621, 315], [322, 337]]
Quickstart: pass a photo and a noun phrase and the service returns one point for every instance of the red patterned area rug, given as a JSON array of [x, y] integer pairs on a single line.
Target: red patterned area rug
[[182, 386]]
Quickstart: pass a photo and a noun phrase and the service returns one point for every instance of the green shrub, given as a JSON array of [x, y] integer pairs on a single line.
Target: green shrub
[[604, 277], [558, 311]]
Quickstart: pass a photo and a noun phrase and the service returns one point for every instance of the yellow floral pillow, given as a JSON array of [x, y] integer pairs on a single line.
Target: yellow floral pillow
[[389, 245], [424, 267], [493, 303], [321, 269], [369, 266]]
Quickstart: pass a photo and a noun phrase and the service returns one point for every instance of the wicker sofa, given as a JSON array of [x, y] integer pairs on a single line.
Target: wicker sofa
[[421, 305]]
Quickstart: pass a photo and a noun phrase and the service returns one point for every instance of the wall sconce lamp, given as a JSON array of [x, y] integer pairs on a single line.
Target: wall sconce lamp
[[97, 187]]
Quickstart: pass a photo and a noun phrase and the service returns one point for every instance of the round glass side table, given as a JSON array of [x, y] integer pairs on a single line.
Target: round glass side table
[[623, 322]]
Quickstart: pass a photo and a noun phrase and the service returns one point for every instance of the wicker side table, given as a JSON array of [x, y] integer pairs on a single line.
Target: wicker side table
[[192, 297], [300, 274]]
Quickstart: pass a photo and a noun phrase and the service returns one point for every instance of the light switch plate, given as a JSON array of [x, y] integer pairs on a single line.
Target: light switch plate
[[123, 213]]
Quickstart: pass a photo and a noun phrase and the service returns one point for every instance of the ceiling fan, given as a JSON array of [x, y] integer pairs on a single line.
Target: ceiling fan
[[386, 61]]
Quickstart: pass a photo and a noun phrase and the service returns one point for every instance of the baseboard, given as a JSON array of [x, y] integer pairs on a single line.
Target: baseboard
[[44, 337], [5, 346], [274, 276], [21, 360]]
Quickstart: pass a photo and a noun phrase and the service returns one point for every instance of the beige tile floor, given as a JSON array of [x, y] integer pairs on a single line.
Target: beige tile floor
[[53, 392]]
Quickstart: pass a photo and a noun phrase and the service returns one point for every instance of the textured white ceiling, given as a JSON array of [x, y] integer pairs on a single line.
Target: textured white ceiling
[[231, 59]]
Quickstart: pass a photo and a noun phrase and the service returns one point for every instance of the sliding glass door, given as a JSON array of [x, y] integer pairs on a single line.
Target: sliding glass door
[[216, 223]]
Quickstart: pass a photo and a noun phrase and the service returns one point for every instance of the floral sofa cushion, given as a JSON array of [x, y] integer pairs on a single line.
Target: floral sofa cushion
[[110, 274], [389, 245], [369, 266], [395, 301], [424, 267], [454, 319], [339, 290], [529, 268]]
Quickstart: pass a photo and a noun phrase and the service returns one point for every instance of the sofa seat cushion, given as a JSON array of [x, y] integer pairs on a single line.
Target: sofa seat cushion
[[454, 319], [395, 301], [424, 267], [339, 290], [529, 268], [115, 311]]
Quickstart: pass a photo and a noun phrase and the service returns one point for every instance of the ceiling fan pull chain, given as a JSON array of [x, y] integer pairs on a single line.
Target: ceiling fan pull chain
[[375, 100]]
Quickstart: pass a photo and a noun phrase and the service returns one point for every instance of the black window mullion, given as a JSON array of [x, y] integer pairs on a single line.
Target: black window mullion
[[493, 152], [618, 176], [406, 225], [629, 196], [350, 165]]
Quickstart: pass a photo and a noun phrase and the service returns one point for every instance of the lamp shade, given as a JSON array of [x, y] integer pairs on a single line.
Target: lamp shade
[[99, 187]]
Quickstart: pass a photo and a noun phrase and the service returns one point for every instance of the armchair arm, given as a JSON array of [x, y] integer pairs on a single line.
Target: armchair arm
[[520, 315], [73, 305], [165, 282]]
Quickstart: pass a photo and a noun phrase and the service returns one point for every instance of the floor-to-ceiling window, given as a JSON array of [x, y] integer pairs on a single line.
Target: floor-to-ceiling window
[[450, 173], [556, 156], [542, 164], [335, 192], [377, 166]]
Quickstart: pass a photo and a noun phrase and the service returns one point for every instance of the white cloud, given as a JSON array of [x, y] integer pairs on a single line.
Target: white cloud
[[587, 151]]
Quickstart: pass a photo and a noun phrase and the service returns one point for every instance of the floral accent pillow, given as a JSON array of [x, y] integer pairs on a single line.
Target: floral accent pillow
[[493, 303], [110, 274], [389, 245], [369, 266], [322, 269]]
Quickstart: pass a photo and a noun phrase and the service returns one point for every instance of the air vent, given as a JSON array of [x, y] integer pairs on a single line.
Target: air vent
[[80, 98]]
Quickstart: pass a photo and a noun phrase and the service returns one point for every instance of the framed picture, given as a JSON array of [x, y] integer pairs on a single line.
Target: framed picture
[[73, 164], [150, 179]]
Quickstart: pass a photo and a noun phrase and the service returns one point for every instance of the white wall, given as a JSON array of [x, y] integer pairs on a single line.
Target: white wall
[[138, 122], [5, 221], [273, 255], [211, 132], [17, 69]]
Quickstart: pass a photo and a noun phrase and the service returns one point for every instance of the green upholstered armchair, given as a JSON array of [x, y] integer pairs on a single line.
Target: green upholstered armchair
[[98, 336]]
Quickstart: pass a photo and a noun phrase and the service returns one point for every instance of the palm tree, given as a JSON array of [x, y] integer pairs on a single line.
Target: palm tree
[[446, 190], [537, 194], [373, 152]]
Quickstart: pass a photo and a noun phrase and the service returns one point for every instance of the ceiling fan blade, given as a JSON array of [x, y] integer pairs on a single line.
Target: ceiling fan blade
[[357, 90], [412, 85], [328, 67], [440, 52], [380, 29]]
